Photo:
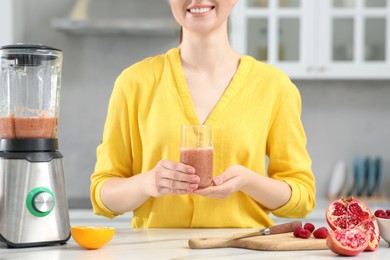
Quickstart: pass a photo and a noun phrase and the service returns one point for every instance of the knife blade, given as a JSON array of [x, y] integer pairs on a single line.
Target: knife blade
[[277, 229]]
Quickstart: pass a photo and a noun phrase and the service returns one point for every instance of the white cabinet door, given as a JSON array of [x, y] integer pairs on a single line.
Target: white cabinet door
[[356, 39], [316, 39], [277, 32]]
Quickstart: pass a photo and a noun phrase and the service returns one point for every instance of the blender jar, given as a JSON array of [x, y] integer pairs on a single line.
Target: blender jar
[[30, 83]]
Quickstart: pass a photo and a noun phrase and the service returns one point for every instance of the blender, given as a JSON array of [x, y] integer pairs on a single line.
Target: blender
[[33, 203]]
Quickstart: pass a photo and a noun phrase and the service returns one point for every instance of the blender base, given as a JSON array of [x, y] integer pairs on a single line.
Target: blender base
[[34, 207]]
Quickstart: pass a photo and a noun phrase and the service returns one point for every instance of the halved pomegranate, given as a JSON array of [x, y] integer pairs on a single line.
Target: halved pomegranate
[[346, 213], [350, 213], [371, 228], [349, 241]]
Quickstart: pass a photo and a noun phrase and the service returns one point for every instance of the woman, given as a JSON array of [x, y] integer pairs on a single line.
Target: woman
[[254, 110]]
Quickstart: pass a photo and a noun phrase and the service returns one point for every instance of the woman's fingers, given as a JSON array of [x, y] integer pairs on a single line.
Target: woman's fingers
[[173, 191], [177, 185], [175, 178], [175, 166], [177, 172]]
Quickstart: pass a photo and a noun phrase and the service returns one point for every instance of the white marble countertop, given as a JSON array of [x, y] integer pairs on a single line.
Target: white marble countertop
[[173, 243], [170, 244]]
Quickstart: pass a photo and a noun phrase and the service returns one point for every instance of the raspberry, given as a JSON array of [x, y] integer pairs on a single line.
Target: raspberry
[[321, 232], [388, 212], [379, 212], [382, 215], [296, 231], [309, 226], [304, 233]]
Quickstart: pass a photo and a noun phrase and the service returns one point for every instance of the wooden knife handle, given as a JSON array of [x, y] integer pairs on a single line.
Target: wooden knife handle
[[285, 228]]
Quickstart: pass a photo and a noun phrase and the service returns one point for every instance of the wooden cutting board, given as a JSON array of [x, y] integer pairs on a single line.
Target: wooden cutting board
[[277, 242]]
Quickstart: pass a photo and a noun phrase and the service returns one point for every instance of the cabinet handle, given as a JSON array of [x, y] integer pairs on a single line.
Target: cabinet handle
[[322, 69]]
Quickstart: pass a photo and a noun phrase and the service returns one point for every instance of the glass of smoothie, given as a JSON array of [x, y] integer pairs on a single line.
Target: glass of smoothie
[[197, 150]]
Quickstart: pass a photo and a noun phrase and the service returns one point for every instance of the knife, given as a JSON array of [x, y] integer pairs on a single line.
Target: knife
[[277, 229]]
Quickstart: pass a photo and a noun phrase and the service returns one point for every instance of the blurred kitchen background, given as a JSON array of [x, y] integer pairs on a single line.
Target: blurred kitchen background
[[337, 53]]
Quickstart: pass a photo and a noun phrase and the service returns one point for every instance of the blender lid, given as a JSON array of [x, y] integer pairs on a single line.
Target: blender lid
[[29, 54], [31, 46]]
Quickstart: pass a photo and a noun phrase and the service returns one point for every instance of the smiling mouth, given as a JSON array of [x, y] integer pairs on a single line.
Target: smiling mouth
[[201, 10]]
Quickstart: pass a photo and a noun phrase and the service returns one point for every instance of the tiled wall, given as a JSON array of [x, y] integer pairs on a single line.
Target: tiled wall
[[345, 120]]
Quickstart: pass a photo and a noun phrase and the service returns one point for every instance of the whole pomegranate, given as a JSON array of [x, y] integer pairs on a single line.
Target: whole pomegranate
[[353, 213], [349, 241]]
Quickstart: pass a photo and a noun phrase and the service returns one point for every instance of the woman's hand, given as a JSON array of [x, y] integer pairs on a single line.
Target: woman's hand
[[269, 192], [169, 177], [233, 179]]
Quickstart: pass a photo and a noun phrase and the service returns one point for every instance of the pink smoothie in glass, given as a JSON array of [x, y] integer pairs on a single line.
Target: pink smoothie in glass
[[202, 160]]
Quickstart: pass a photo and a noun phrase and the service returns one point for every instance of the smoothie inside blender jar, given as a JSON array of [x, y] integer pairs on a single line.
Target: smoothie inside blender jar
[[30, 93]]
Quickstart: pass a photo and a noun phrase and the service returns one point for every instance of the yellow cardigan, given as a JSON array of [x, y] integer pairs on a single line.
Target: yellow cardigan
[[257, 116]]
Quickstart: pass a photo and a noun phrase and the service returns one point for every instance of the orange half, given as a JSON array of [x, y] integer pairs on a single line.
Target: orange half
[[91, 237]]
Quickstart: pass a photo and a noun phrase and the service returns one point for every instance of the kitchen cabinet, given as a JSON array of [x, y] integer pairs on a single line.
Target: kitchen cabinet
[[90, 17], [139, 27], [330, 39]]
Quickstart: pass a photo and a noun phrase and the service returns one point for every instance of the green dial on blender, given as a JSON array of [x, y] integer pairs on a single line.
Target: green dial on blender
[[40, 201]]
